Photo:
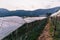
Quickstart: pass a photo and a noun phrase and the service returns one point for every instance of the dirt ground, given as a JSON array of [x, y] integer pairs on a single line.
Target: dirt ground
[[45, 34]]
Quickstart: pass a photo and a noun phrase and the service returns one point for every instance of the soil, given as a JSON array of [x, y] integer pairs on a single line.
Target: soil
[[45, 34]]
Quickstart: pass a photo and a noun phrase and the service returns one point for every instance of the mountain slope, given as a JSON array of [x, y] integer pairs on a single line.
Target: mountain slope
[[45, 34], [38, 12]]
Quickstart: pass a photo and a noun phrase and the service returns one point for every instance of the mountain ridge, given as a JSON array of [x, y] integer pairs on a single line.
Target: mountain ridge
[[21, 13]]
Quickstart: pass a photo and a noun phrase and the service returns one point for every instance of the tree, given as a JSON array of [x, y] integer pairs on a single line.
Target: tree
[[48, 14]]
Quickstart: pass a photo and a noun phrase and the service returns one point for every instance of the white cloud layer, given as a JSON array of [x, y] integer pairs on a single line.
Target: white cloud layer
[[28, 4]]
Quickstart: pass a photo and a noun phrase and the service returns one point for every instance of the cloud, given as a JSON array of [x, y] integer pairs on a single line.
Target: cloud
[[28, 4]]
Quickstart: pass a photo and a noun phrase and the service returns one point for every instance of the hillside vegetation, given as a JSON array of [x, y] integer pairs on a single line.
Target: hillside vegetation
[[46, 29], [29, 31], [56, 27]]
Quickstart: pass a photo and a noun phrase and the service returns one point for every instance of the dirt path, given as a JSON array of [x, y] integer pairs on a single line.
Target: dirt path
[[45, 34]]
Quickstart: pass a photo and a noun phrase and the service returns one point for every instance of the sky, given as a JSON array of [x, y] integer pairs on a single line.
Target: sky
[[28, 4]]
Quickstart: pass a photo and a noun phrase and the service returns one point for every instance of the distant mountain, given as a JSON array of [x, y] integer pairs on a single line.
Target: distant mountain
[[56, 14], [3, 12], [38, 12], [44, 11]]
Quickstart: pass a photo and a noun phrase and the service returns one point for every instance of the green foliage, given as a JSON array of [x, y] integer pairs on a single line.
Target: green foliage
[[51, 27], [28, 31], [48, 14], [56, 23]]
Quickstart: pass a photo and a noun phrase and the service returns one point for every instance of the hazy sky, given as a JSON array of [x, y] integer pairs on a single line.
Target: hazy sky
[[28, 4]]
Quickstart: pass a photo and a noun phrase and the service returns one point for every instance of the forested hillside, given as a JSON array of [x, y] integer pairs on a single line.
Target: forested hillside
[[56, 27], [29, 31], [46, 29]]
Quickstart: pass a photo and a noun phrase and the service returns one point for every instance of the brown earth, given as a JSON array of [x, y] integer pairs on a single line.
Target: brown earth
[[46, 33]]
